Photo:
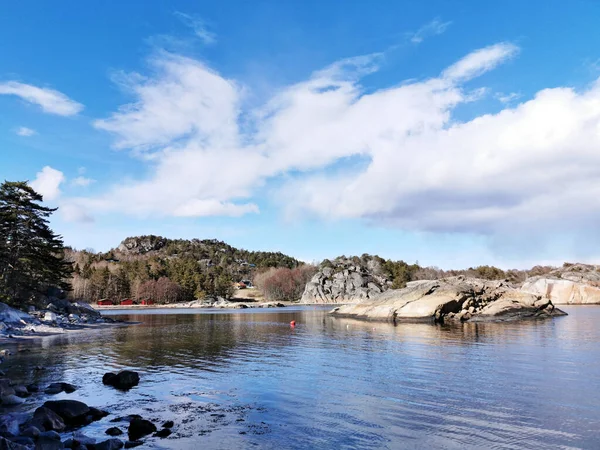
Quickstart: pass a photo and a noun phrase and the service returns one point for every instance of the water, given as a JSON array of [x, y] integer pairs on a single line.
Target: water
[[246, 379]]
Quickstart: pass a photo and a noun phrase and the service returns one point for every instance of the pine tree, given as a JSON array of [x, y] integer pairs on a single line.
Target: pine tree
[[31, 254]]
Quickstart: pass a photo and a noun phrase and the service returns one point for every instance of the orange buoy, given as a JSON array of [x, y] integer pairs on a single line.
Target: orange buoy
[[293, 323]]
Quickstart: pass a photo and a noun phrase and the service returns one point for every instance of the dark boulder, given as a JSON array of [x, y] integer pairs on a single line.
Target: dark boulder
[[123, 380], [168, 424], [114, 431], [57, 388], [165, 432], [96, 414], [31, 431], [23, 440], [80, 441], [72, 412], [5, 444], [21, 391], [49, 440], [110, 444], [46, 419], [127, 419], [139, 428], [6, 388], [132, 444]]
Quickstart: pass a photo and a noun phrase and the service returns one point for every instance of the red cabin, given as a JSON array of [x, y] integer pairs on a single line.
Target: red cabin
[[104, 302], [126, 302], [147, 302]]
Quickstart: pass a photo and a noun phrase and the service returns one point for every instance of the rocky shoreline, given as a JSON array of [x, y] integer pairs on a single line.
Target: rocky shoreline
[[42, 428], [454, 299], [59, 316], [219, 303]]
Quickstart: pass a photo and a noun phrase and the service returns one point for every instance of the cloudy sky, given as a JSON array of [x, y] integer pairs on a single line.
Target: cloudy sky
[[453, 133]]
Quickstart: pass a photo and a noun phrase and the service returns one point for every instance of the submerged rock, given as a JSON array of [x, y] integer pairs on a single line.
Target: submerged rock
[[57, 388], [454, 298], [114, 431], [139, 428], [165, 432], [124, 380]]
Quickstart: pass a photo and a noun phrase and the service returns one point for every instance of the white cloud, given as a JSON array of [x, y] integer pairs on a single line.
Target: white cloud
[[183, 98], [507, 98], [480, 61], [49, 100], [199, 26], [82, 181], [47, 183], [25, 132], [393, 156], [433, 28]]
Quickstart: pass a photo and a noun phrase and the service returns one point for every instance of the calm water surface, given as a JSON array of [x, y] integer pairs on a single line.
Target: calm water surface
[[246, 379]]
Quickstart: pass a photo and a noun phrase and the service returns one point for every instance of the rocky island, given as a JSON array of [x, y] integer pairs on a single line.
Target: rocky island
[[457, 299]]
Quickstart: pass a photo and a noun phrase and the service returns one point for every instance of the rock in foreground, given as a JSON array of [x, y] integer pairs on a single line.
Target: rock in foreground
[[452, 299]]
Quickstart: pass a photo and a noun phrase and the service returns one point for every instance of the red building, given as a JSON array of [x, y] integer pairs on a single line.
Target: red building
[[147, 302], [104, 302], [126, 302]]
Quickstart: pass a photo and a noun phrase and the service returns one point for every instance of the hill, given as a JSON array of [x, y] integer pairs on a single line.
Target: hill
[[167, 270]]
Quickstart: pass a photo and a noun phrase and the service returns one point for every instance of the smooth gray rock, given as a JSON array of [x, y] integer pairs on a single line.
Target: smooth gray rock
[[453, 298]]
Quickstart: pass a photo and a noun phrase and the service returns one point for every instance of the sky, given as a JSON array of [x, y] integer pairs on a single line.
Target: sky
[[449, 133]]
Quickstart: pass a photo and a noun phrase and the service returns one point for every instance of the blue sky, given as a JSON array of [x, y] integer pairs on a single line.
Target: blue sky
[[454, 133]]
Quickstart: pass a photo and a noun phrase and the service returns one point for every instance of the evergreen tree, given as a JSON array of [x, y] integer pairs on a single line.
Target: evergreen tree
[[31, 254]]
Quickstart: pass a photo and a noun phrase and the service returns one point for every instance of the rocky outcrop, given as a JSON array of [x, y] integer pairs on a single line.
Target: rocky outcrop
[[346, 281], [142, 244], [452, 299], [572, 284], [60, 315]]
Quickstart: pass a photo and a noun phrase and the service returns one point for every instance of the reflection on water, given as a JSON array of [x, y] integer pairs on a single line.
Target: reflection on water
[[247, 379]]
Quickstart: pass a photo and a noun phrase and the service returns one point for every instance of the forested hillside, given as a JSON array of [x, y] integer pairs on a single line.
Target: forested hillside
[[167, 270]]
